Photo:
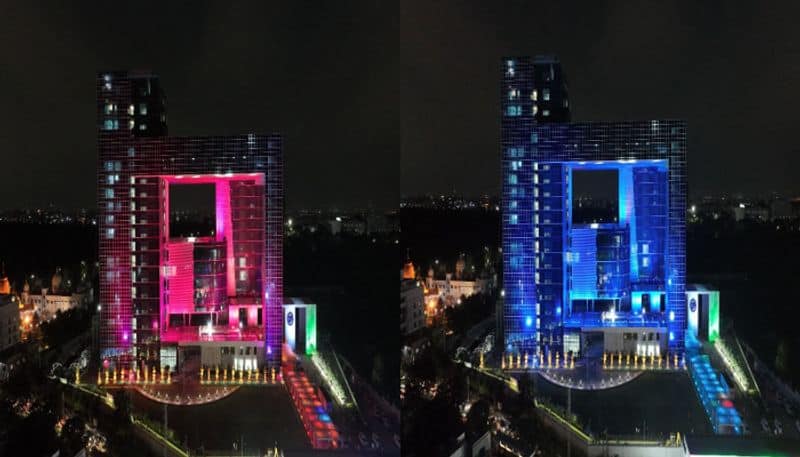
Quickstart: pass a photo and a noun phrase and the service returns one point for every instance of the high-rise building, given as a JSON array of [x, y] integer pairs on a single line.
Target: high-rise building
[[566, 280], [166, 298], [9, 320]]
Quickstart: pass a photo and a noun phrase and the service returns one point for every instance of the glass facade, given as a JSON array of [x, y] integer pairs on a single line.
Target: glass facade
[[138, 260], [557, 272]]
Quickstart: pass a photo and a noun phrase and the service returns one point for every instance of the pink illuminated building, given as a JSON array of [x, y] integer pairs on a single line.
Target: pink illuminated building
[[165, 300]]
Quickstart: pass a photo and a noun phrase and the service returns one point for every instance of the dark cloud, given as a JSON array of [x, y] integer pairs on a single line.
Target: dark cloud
[[324, 74], [729, 68]]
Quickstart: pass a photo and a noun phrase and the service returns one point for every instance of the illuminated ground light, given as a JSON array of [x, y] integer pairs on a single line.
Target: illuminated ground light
[[740, 376]]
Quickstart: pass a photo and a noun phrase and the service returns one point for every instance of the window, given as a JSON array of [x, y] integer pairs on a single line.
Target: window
[[512, 204], [513, 219], [110, 233], [108, 124], [510, 67], [535, 95], [109, 193], [513, 110], [546, 112], [516, 165], [512, 179], [143, 108], [143, 127], [513, 94], [546, 94]]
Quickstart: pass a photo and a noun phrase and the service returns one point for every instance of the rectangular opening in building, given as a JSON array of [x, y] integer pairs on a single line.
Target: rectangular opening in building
[[595, 196], [191, 210]]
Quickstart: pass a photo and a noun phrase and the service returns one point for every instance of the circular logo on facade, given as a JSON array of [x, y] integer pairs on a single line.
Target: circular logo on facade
[[693, 305], [290, 318]]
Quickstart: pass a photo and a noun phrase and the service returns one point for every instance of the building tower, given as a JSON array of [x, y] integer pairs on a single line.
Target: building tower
[[533, 91], [566, 281], [164, 297]]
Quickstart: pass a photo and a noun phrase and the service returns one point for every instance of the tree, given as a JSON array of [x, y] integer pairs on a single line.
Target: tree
[[35, 435], [478, 418], [377, 369], [782, 357], [73, 436]]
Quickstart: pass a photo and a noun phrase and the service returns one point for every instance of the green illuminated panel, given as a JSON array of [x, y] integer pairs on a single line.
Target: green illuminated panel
[[311, 329], [713, 316]]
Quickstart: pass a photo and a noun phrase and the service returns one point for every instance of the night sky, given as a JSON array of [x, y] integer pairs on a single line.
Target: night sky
[[324, 74], [731, 69]]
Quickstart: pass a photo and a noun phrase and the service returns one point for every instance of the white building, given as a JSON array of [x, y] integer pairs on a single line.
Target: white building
[[46, 305], [412, 306], [451, 290]]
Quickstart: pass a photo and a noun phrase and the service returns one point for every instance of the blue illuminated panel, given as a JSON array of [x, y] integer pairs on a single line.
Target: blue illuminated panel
[[582, 258], [636, 265], [518, 244]]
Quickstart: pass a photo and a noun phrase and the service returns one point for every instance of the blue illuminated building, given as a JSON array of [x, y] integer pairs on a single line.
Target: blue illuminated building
[[565, 279]]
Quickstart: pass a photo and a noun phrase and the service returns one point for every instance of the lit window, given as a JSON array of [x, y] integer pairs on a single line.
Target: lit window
[[143, 127], [512, 179], [513, 110], [513, 219], [109, 193], [131, 110], [545, 94], [512, 204], [534, 109], [510, 67], [108, 124], [110, 233], [142, 108], [535, 95], [545, 112], [645, 261]]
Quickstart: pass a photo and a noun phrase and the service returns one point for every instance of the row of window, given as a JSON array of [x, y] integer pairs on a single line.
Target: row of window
[[516, 110]]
